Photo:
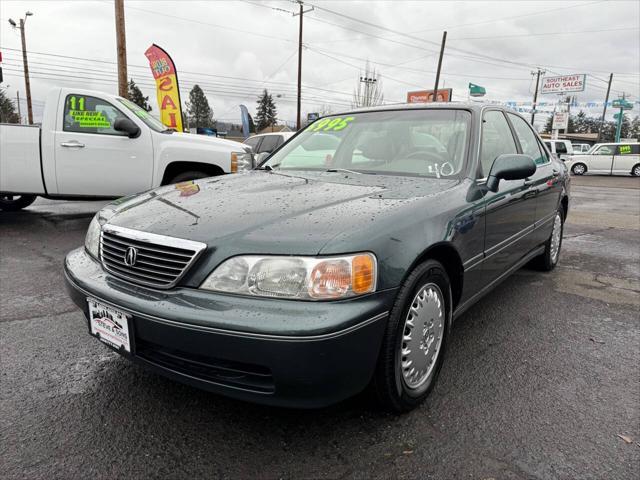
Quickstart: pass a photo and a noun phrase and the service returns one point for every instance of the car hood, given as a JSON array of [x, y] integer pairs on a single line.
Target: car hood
[[270, 212], [208, 140]]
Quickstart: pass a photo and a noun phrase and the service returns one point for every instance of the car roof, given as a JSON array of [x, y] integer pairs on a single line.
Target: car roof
[[424, 106]]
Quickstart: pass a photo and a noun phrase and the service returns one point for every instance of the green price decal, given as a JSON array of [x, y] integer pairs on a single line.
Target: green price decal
[[80, 103], [625, 149], [331, 124]]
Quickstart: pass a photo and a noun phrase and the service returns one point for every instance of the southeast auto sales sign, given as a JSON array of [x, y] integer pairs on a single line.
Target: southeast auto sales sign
[[563, 83]]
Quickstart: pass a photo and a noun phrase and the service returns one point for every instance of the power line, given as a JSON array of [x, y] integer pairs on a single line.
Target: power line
[[546, 34]]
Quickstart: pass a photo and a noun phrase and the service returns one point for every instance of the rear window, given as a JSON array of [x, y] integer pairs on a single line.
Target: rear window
[[631, 149], [561, 148], [429, 143]]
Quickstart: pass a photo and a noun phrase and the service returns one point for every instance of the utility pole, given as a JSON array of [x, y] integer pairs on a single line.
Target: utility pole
[[27, 83], [18, 105], [535, 95], [121, 41], [301, 14], [604, 110], [435, 89]]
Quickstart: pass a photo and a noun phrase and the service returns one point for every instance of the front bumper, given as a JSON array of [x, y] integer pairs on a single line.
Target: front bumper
[[277, 352]]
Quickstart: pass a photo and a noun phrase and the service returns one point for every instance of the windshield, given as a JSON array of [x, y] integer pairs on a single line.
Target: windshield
[[430, 143], [151, 122]]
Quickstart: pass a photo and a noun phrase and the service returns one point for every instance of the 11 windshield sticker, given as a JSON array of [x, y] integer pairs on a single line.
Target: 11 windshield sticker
[[331, 124], [85, 118]]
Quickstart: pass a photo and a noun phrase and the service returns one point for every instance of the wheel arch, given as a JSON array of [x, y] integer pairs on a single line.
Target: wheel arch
[[175, 168], [448, 256]]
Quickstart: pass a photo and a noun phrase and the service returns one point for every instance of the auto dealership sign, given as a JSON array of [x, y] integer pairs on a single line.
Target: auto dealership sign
[[563, 83]]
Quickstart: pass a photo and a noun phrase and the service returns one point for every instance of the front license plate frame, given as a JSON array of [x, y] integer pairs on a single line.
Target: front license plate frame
[[110, 325]]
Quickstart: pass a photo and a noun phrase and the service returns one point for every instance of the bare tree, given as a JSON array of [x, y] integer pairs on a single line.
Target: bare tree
[[369, 90]]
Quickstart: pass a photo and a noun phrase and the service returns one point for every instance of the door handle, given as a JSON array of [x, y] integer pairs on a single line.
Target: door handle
[[72, 144], [528, 183]]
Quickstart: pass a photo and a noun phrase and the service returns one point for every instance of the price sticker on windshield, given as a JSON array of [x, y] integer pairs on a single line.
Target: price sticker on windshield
[[330, 124]]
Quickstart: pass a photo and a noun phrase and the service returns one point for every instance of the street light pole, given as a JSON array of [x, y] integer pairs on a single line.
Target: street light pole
[[604, 110], [27, 83]]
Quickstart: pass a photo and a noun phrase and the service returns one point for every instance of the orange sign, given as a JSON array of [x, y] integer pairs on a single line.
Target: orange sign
[[164, 72], [426, 96]]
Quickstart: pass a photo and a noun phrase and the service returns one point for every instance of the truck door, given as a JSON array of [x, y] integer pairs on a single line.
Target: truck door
[[94, 159]]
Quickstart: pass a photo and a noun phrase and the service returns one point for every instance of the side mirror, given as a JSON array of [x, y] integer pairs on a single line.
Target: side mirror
[[510, 167], [127, 126]]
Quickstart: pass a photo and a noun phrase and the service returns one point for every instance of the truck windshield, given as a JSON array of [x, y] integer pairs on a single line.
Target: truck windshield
[[428, 142], [151, 122]]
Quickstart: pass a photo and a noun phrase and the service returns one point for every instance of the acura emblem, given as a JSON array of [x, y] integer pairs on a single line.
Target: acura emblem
[[130, 256]]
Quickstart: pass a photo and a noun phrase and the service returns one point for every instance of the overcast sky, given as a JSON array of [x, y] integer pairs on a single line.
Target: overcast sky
[[233, 49]]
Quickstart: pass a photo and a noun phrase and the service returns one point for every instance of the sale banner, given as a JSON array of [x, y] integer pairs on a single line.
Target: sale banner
[[166, 77]]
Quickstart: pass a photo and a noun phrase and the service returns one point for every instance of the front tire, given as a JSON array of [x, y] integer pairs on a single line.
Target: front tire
[[579, 169], [635, 171], [415, 340], [13, 203]]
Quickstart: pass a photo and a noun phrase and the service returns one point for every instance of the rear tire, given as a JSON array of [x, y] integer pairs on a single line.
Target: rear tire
[[13, 203], [548, 260], [186, 176], [579, 169], [635, 171], [417, 332]]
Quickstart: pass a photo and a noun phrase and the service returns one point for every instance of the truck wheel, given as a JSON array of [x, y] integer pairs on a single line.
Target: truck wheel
[[414, 343], [185, 176], [13, 203]]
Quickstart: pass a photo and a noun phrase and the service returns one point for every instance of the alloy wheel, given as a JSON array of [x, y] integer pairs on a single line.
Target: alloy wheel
[[422, 336]]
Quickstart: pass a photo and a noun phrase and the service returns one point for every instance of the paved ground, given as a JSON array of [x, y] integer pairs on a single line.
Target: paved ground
[[542, 377]]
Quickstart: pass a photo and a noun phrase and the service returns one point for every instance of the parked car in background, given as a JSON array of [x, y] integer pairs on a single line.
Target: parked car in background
[[97, 145], [608, 159], [561, 148], [580, 148], [266, 143], [349, 267]]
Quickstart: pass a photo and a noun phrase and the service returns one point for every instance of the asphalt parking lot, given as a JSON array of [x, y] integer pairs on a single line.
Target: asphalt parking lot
[[542, 378]]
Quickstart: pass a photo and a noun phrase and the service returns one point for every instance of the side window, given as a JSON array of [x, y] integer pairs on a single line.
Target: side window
[[633, 149], [549, 146], [528, 140], [496, 139], [84, 114], [268, 144], [253, 142], [605, 150], [561, 148]]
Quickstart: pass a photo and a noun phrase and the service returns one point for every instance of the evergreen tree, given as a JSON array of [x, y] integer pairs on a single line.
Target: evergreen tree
[[267, 113], [634, 128], [7, 110], [548, 126], [199, 112], [135, 95]]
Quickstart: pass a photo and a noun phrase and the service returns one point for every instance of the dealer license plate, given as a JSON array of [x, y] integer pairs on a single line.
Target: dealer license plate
[[109, 325]]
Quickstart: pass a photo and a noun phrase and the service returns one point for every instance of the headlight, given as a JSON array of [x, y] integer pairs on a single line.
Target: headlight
[[306, 278], [92, 240], [241, 161]]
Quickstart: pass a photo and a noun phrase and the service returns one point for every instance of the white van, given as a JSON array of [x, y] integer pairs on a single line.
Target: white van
[[562, 149], [608, 159]]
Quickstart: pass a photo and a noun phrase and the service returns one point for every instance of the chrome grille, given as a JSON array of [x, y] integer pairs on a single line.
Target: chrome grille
[[157, 260]]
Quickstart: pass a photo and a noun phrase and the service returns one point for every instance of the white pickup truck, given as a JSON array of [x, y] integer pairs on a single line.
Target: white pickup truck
[[96, 145]]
